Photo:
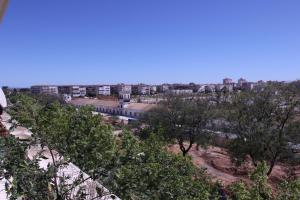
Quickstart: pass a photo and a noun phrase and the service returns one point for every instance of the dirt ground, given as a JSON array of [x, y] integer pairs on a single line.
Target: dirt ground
[[218, 164]]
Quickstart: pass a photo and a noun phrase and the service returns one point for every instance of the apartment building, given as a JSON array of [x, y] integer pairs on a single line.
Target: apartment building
[[227, 81], [44, 89], [124, 88], [104, 90], [72, 90], [164, 88], [82, 91], [180, 92], [125, 96], [144, 89], [153, 89], [248, 86], [65, 89], [92, 90], [241, 81], [75, 91]]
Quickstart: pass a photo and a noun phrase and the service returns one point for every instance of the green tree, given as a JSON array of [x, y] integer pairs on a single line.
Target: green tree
[[25, 109], [182, 119], [259, 189], [77, 134], [289, 190], [146, 171], [260, 121]]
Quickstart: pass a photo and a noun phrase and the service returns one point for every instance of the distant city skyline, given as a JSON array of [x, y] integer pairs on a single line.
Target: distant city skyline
[[153, 42]]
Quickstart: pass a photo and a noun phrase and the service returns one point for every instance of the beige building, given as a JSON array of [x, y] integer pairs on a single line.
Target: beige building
[[44, 89], [104, 90], [134, 110]]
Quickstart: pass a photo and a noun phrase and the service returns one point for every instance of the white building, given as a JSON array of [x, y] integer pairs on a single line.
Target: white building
[[44, 89], [153, 89], [144, 89], [82, 91], [104, 90], [76, 91], [179, 92], [124, 96], [124, 88], [165, 88]]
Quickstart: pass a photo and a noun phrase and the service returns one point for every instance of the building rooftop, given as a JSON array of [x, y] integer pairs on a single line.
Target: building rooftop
[[94, 102], [110, 103], [140, 106]]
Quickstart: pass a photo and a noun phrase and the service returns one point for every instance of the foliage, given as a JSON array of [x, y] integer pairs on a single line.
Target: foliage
[[289, 190], [183, 120], [240, 191], [27, 179], [77, 134], [260, 121], [25, 109], [145, 171], [136, 169], [259, 188]]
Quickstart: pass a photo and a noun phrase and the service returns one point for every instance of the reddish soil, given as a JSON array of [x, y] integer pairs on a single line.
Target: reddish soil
[[218, 165], [3, 131]]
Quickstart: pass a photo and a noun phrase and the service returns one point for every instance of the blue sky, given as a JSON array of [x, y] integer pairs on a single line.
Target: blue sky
[[149, 41]]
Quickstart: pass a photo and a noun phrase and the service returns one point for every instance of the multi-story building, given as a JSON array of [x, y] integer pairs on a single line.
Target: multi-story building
[[44, 89], [164, 88], [144, 89], [125, 96], [65, 89], [241, 81], [91, 90], [72, 90], [75, 91], [180, 92], [82, 91], [104, 90], [248, 86], [153, 89], [227, 81], [135, 89], [124, 88]]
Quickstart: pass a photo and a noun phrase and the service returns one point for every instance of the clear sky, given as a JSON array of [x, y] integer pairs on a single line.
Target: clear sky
[[149, 41]]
